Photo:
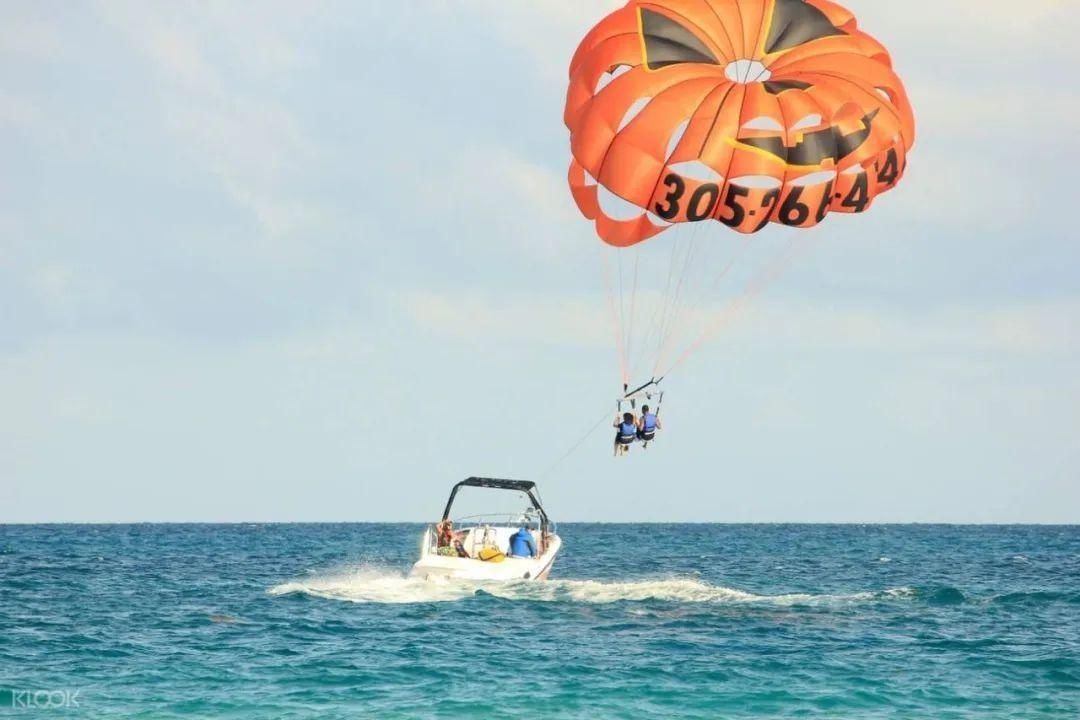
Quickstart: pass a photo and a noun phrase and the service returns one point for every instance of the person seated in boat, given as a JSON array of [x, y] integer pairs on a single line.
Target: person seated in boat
[[445, 533], [625, 432], [522, 544], [449, 540], [647, 425]]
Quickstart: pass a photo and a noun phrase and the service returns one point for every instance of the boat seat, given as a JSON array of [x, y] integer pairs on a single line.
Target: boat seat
[[480, 538]]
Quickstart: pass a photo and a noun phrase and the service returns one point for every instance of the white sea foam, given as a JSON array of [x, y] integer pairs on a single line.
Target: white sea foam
[[375, 585]]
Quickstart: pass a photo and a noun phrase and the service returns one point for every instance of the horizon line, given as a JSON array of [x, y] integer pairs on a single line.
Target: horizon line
[[558, 522]]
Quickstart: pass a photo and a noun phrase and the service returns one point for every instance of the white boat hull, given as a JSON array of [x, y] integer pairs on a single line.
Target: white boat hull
[[431, 564]]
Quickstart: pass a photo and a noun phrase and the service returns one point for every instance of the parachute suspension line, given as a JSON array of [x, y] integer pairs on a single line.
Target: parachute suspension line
[[710, 293], [753, 289], [658, 309], [615, 320], [731, 309], [630, 327], [666, 303], [625, 322], [735, 257], [668, 330], [622, 298]]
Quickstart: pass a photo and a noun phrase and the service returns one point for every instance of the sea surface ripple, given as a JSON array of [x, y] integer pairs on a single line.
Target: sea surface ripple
[[695, 621]]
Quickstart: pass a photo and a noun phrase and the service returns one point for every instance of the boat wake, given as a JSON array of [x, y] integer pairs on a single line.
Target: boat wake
[[375, 585]]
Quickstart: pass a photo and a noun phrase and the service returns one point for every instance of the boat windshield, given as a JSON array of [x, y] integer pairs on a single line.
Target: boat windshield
[[471, 503], [511, 519]]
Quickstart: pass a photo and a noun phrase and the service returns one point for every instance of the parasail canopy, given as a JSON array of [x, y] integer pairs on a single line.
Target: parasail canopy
[[741, 111]]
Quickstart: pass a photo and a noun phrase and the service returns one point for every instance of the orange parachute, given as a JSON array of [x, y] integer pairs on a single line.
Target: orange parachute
[[741, 111]]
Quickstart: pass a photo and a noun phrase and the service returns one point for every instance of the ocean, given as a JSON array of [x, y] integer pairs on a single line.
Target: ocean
[[688, 621]]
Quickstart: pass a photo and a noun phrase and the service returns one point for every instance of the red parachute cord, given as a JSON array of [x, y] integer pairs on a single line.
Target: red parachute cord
[[753, 289], [711, 292], [630, 326], [616, 320], [667, 328], [654, 328], [671, 289]]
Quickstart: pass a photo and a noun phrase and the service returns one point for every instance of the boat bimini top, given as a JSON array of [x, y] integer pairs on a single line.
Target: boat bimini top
[[523, 486]]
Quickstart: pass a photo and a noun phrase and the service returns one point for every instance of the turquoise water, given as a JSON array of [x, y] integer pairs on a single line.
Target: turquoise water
[[319, 621]]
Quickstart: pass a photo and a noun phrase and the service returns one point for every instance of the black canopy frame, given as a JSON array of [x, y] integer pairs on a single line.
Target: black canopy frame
[[524, 486]]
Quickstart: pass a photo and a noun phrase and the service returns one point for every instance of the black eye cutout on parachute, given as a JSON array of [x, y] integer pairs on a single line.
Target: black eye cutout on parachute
[[646, 392]]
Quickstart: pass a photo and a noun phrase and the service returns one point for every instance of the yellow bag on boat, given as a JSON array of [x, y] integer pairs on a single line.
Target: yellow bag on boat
[[491, 554]]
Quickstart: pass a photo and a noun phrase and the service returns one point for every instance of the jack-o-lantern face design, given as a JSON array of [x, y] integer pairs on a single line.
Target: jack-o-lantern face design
[[742, 111], [816, 147]]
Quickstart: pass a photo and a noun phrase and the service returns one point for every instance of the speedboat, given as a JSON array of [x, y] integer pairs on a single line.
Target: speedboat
[[477, 547]]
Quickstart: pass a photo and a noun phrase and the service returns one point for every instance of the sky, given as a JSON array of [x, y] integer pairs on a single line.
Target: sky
[[318, 261]]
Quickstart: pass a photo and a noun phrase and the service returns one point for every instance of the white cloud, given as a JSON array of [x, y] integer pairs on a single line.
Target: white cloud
[[338, 345], [30, 40], [921, 17], [18, 113], [68, 291], [233, 94], [775, 410], [247, 138], [53, 284], [1022, 328], [548, 32], [9, 229], [1031, 328], [523, 204], [476, 317], [177, 55], [981, 115], [938, 188]]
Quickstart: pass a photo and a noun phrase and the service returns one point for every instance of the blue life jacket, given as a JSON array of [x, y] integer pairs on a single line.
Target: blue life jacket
[[627, 431], [521, 544], [648, 423]]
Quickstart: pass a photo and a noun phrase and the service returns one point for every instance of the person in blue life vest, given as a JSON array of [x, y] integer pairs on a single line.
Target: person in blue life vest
[[522, 544], [647, 425], [625, 432]]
